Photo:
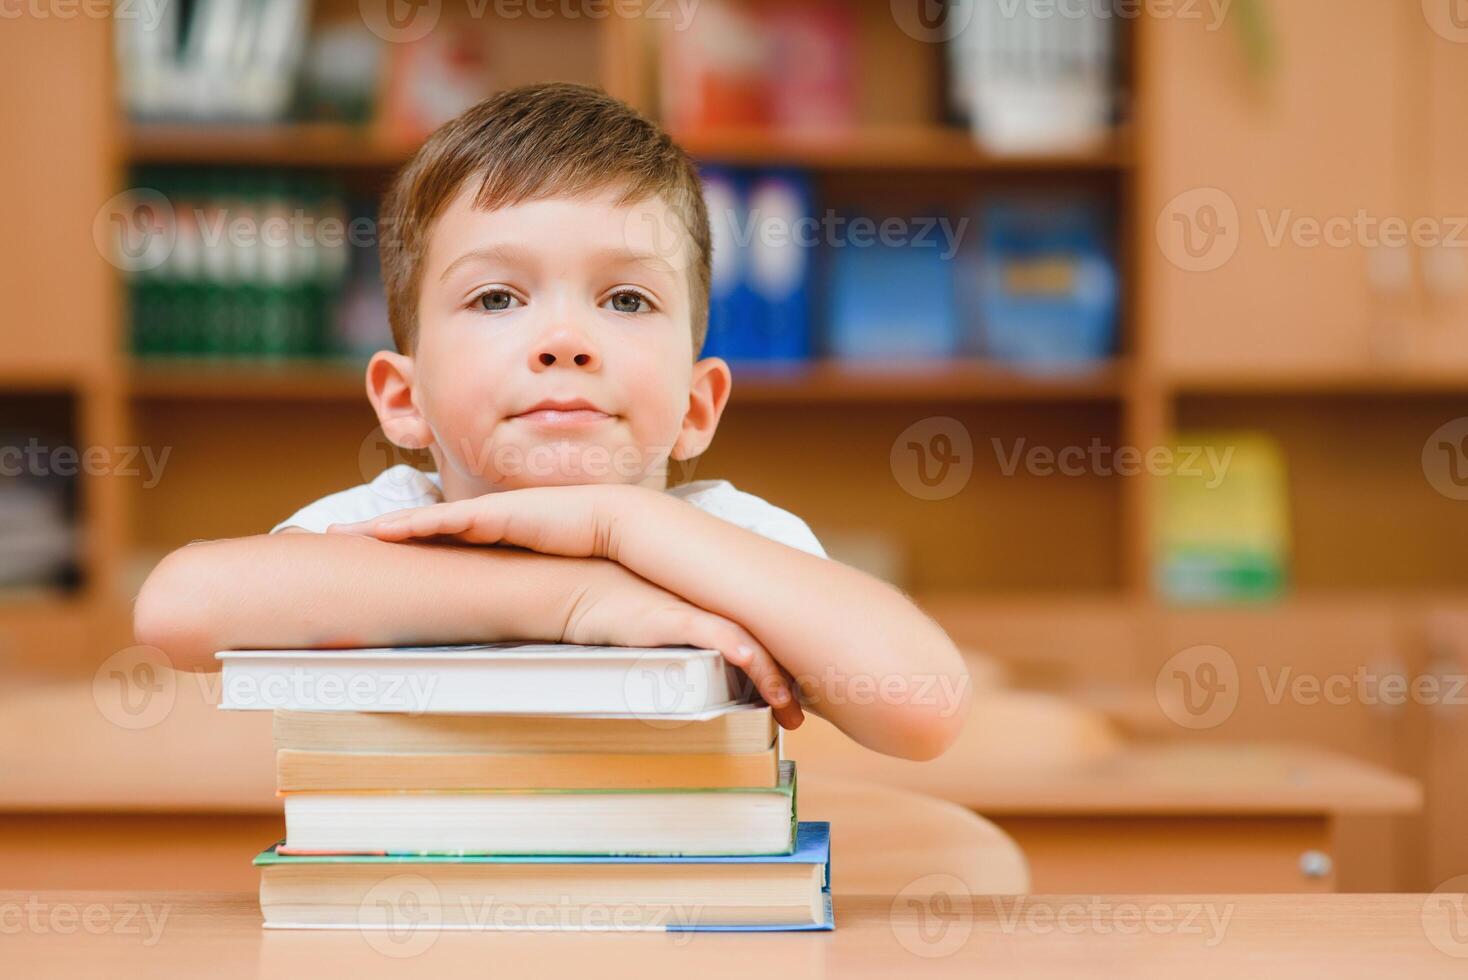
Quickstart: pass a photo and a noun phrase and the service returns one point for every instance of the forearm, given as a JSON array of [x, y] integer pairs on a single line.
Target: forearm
[[316, 590], [864, 656]]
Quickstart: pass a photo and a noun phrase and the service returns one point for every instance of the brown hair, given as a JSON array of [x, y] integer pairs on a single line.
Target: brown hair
[[527, 143]]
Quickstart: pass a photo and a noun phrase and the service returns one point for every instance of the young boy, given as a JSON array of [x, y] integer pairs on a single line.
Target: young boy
[[546, 258]]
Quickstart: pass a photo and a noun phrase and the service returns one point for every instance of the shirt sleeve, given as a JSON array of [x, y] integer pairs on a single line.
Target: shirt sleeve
[[395, 489], [758, 515], [790, 530], [337, 508]]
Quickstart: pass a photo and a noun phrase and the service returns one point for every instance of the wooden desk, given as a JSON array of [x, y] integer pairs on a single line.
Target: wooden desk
[[218, 935], [185, 802], [1181, 817]]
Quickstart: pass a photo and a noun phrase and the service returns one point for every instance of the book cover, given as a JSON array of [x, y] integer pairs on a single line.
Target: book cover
[[551, 816], [487, 678], [676, 910]]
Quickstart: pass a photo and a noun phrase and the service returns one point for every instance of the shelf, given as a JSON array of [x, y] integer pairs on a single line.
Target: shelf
[[923, 148], [222, 380], [18, 602], [1339, 381], [46, 379], [920, 382], [189, 379], [285, 144], [920, 148]]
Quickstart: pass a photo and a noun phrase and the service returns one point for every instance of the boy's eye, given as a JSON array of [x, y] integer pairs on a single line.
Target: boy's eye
[[496, 300], [628, 301]]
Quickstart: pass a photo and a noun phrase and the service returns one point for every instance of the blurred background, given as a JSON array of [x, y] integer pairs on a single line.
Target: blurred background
[[1130, 338]]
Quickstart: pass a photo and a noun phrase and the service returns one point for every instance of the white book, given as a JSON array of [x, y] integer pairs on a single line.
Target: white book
[[492, 678], [733, 820]]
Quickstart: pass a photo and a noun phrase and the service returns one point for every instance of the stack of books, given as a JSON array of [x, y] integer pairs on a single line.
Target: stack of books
[[528, 786]]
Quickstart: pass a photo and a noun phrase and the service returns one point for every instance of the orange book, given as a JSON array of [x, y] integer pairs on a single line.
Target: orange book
[[298, 771]]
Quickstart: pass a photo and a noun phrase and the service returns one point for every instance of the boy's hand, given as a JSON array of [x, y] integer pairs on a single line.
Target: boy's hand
[[616, 607], [575, 521]]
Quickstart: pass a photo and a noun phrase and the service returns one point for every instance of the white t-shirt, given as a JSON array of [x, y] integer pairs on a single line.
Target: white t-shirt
[[404, 486]]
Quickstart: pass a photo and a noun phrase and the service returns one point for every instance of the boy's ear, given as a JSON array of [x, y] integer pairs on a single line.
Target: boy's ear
[[390, 389], [707, 396]]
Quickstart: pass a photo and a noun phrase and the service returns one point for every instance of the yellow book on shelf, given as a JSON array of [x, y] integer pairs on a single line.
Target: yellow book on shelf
[[1224, 528]]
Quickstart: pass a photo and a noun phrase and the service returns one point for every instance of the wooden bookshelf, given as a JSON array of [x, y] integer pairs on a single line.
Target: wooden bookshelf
[[1279, 339], [892, 148], [265, 144], [913, 148], [187, 379], [1411, 381]]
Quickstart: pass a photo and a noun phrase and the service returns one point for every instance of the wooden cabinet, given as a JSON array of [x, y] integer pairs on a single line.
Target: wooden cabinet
[[59, 323], [1441, 334], [1266, 191]]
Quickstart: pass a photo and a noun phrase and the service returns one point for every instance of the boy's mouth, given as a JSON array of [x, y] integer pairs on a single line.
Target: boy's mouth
[[559, 418], [561, 414]]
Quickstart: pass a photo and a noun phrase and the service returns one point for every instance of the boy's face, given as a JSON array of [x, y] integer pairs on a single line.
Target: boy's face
[[558, 301]]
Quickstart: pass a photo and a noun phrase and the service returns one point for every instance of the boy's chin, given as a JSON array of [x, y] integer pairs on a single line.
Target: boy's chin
[[522, 481]]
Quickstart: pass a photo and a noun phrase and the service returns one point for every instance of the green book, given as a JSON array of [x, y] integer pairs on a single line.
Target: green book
[[650, 822], [405, 893]]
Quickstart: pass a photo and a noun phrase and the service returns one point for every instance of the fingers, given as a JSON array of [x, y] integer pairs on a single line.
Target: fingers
[[373, 525], [425, 522], [456, 519], [749, 655]]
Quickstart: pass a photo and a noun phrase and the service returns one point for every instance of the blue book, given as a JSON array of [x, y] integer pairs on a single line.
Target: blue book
[[1045, 287], [731, 331], [778, 264], [891, 300], [748, 893]]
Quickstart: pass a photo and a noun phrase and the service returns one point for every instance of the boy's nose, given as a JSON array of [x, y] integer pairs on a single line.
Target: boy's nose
[[566, 347]]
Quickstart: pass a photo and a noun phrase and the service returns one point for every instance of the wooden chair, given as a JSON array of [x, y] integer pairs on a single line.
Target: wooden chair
[[888, 841]]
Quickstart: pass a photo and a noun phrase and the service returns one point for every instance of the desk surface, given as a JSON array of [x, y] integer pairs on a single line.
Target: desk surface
[[159, 935], [1141, 779]]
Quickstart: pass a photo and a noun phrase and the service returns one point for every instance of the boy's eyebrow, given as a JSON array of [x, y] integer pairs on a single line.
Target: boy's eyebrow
[[649, 259], [504, 254], [507, 254]]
